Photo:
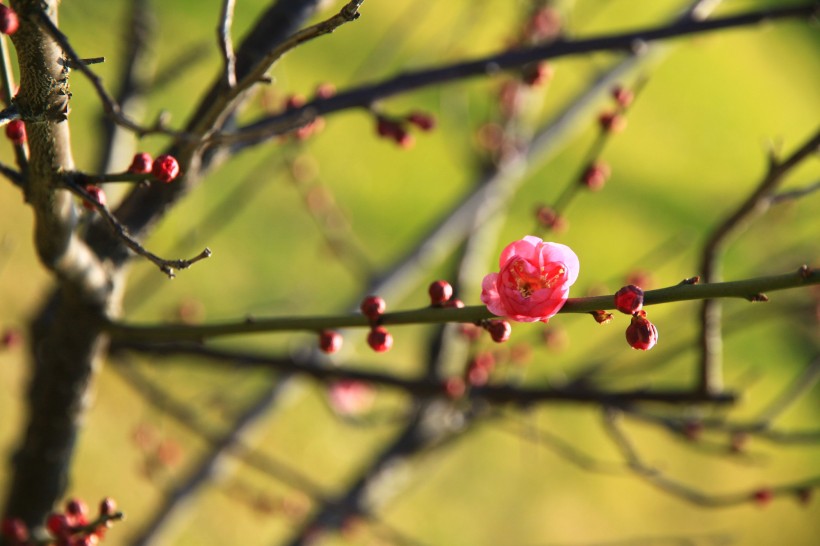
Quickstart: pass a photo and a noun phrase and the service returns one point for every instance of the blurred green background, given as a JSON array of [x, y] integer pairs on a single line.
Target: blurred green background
[[695, 146]]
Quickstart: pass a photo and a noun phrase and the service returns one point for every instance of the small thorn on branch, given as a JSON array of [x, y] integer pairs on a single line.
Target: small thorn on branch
[[804, 272], [758, 298], [690, 280]]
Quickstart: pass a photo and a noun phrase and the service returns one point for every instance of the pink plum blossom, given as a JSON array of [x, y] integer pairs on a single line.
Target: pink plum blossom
[[533, 281]]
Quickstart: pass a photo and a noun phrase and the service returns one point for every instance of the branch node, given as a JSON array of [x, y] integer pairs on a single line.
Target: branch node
[[804, 272], [761, 297], [690, 280]]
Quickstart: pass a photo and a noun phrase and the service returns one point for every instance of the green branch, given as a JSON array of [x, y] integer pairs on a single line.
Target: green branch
[[750, 289]]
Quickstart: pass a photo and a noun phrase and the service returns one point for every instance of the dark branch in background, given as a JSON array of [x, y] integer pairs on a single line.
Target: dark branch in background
[[710, 379], [656, 478], [223, 445], [424, 387], [166, 266], [630, 42], [791, 195], [190, 418]]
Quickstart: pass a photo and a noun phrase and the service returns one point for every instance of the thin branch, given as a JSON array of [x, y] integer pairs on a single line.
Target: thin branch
[[166, 266], [349, 13], [111, 107], [711, 344], [13, 175], [746, 289], [629, 42], [223, 34], [793, 195], [656, 478]]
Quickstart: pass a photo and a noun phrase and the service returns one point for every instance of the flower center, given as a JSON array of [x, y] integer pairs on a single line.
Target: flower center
[[528, 282]]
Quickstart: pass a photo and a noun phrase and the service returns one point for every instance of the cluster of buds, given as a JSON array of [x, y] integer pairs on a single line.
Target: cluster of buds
[[69, 528], [164, 168], [9, 23], [641, 334], [379, 339], [396, 129], [16, 131]]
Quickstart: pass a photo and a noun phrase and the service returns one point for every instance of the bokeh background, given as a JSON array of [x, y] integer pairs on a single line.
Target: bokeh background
[[695, 146]]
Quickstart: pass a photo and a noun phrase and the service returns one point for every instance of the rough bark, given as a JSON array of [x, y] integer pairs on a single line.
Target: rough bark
[[65, 340]]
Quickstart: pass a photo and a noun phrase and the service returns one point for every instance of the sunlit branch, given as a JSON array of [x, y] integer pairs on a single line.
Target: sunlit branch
[[749, 289]]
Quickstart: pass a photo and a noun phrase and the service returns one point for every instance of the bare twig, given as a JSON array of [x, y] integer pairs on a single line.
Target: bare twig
[[166, 266], [793, 195], [111, 107], [756, 204], [223, 33]]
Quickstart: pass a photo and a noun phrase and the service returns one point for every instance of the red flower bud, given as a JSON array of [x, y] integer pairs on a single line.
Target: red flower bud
[[763, 496], [294, 101], [14, 529], [629, 299], [373, 307], [325, 90], [537, 74], [440, 292], [165, 168], [330, 341], [423, 121], [108, 506], [16, 131], [380, 339], [11, 338], [548, 218], [454, 387], [9, 23], [612, 122], [641, 334], [500, 330], [596, 175], [58, 525], [141, 164], [622, 96], [97, 193]]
